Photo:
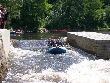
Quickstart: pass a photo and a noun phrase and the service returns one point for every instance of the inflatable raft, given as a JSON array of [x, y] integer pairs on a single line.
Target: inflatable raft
[[12, 32], [57, 50]]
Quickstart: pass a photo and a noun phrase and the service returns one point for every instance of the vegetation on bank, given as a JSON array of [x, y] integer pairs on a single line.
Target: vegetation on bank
[[76, 15]]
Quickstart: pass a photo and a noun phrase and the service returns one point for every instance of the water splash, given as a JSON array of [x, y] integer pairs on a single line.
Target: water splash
[[76, 66]]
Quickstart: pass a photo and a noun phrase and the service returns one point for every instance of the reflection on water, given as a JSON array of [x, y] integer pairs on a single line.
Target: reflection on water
[[31, 36], [76, 66]]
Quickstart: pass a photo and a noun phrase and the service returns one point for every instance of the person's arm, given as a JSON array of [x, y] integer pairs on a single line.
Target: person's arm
[[62, 44], [1, 13]]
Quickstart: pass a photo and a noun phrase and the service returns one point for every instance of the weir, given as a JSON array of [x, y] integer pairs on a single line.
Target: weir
[[4, 51], [93, 42]]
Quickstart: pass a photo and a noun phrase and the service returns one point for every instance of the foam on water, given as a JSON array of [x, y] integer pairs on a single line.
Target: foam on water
[[76, 66], [89, 72]]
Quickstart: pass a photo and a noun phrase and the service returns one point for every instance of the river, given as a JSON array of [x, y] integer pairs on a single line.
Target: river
[[29, 63]]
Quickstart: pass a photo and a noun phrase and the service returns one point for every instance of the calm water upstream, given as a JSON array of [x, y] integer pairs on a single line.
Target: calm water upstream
[[31, 36], [28, 63]]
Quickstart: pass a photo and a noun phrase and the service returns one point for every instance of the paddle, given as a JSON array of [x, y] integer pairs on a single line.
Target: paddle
[[68, 47]]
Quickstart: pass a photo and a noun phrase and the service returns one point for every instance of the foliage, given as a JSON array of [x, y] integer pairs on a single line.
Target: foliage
[[58, 14]]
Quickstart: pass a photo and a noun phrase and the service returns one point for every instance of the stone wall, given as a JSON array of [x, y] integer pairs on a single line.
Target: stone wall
[[4, 50], [93, 42]]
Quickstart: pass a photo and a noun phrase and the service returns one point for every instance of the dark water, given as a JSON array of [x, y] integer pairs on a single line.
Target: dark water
[[38, 36]]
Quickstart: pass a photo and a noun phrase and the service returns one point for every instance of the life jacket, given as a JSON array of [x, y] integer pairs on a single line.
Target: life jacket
[[1, 21]]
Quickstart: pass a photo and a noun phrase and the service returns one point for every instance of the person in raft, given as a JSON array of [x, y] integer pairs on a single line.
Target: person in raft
[[59, 43], [55, 43], [49, 42]]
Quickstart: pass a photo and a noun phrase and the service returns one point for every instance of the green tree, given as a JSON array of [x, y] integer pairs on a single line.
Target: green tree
[[58, 14], [13, 9], [33, 13]]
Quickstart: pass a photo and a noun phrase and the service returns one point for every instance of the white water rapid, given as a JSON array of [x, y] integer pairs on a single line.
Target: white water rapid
[[28, 63]]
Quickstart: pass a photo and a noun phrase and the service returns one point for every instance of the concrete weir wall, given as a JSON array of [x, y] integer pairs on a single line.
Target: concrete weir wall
[[4, 50], [93, 42]]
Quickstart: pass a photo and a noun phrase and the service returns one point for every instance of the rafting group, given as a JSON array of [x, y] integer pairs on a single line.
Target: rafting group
[[56, 46], [55, 42]]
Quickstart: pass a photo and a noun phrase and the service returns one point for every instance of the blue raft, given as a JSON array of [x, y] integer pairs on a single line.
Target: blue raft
[[12, 32], [57, 50]]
